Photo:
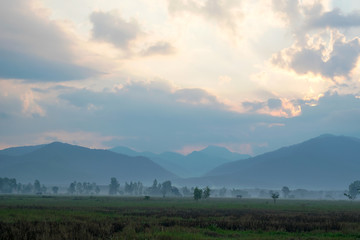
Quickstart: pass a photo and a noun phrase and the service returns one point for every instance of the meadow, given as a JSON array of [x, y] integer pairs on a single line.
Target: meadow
[[102, 217]]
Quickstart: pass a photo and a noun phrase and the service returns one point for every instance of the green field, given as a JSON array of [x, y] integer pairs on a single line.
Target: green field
[[60, 217]]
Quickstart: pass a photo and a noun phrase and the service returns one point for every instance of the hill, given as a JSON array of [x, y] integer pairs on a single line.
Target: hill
[[325, 162], [194, 164], [60, 163], [18, 151]]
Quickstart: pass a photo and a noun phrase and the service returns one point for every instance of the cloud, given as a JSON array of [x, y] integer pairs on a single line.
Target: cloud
[[334, 19], [110, 27], [127, 35], [34, 48], [274, 107], [156, 117], [20, 65], [225, 13], [30, 106], [147, 115], [159, 48], [319, 47], [274, 103], [197, 97], [338, 62]]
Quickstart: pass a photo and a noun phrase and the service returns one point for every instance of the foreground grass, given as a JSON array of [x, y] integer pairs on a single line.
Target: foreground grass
[[36, 217]]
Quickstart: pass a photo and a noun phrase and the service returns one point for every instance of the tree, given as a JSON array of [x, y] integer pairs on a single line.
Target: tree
[[97, 190], [37, 186], [114, 186], [155, 184], [79, 188], [354, 189], [165, 187], [55, 189], [349, 196], [155, 188], [43, 189], [197, 193], [206, 192], [175, 191], [285, 190], [274, 195], [8, 185], [72, 189]]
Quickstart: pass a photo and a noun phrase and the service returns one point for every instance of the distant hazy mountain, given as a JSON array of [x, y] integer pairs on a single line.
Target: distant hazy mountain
[[194, 164], [325, 162], [125, 151], [61, 163]]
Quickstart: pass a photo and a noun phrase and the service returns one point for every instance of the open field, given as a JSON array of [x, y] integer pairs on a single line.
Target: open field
[[60, 217]]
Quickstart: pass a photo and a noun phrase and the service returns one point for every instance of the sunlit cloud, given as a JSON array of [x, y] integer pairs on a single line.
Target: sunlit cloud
[[159, 48], [226, 14], [110, 27], [38, 51]]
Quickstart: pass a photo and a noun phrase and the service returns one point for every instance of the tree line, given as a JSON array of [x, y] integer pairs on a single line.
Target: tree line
[[164, 189], [10, 185], [156, 189]]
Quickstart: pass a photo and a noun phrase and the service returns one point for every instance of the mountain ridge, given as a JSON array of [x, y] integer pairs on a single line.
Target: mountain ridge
[[193, 164], [62, 163], [322, 162]]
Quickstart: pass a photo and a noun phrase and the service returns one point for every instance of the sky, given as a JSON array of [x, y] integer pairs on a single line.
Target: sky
[[178, 75]]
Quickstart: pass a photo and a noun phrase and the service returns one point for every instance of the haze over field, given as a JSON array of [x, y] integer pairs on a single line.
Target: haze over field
[[176, 76]]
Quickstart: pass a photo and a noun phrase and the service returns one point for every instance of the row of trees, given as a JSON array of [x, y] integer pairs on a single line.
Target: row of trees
[[10, 185], [137, 188], [201, 193], [84, 188]]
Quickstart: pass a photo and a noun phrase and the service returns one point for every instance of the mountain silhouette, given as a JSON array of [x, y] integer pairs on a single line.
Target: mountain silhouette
[[60, 163], [194, 164], [324, 162]]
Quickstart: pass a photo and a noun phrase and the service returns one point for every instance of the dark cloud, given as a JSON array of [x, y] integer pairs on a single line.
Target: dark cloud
[[305, 17], [149, 116], [341, 62], [334, 19], [274, 103], [33, 68], [253, 106], [35, 48], [197, 96], [109, 27], [159, 48]]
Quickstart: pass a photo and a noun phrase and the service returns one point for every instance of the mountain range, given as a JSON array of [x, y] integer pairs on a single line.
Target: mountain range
[[60, 163], [195, 164], [324, 162]]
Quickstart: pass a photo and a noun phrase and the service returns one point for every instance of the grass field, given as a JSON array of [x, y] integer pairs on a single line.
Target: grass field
[[60, 217]]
